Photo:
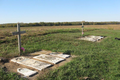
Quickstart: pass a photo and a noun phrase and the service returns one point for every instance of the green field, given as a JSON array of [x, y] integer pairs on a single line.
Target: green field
[[95, 60]]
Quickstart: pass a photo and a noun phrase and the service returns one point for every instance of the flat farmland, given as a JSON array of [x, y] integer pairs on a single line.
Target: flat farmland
[[34, 28], [7, 31]]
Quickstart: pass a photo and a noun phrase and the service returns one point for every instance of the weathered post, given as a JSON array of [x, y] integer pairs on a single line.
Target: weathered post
[[19, 37], [82, 29]]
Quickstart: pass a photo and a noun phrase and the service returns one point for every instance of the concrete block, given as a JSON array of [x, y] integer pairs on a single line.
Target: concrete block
[[59, 55], [31, 63], [92, 38], [26, 72], [48, 58]]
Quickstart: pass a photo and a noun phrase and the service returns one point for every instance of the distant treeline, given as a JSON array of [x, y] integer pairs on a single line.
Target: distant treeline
[[57, 24]]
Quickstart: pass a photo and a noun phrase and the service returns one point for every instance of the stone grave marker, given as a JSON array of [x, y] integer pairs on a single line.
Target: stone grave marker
[[48, 58], [59, 55], [19, 37], [30, 63], [26, 72], [92, 38]]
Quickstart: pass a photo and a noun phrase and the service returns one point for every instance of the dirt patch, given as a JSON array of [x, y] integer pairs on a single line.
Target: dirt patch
[[12, 67], [3, 60], [2, 37]]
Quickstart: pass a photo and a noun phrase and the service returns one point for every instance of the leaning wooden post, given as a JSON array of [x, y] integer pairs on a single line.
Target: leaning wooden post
[[19, 38]]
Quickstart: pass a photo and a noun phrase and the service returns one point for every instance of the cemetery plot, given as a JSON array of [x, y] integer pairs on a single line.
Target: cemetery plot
[[92, 38], [26, 72], [31, 63], [59, 55], [48, 58]]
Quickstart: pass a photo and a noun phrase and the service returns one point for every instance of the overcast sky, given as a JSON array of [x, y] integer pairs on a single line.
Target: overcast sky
[[13, 11]]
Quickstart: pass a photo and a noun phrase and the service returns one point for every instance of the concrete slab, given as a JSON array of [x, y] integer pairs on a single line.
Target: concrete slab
[[26, 72], [48, 58], [92, 38], [59, 55], [31, 63]]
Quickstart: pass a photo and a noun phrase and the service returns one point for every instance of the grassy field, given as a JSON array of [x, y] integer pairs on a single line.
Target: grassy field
[[95, 61], [9, 76]]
